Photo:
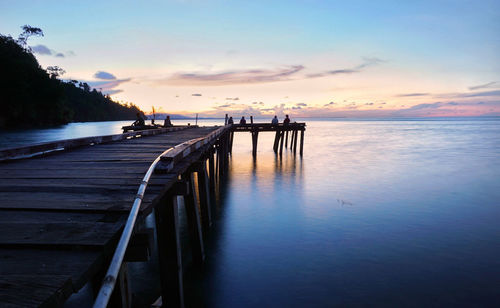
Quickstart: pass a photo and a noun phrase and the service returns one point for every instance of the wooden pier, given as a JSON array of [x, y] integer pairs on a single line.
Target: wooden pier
[[284, 134], [64, 204]]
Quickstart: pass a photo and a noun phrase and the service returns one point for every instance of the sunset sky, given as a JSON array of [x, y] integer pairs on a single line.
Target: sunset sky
[[304, 58]]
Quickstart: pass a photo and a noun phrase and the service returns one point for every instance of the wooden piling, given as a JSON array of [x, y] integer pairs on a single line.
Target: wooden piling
[[301, 142], [296, 133], [255, 137], [211, 170], [281, 142], [231, 137], [276, 141], [193, 217], [205, 204], [169, 251], [286, 139]]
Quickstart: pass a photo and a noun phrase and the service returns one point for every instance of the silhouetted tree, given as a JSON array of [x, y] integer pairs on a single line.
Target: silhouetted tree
[[55, 71], [32, 96], [27, 32]]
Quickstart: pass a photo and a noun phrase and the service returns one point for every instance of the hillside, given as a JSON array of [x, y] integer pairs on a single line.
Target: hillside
[[31, 97]]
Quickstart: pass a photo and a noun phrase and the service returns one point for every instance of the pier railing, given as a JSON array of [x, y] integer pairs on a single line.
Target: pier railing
[[162, 164]]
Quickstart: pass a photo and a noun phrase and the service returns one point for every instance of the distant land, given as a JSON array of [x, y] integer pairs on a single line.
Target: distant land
[[31, 96]]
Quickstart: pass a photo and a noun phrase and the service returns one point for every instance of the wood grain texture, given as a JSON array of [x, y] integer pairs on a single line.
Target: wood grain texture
[[61, 213]]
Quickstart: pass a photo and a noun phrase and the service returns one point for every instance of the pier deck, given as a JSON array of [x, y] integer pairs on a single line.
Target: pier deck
[[64, 204], [61, 214]]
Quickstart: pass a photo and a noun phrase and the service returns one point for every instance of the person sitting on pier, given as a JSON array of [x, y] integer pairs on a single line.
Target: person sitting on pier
[[275, 120], [139, 121], [167, 122], [230, 121], [286, 121], [243, 121]]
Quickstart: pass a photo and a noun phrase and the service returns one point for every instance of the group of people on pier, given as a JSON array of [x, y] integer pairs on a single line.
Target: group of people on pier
[[141, 122], [274, 121]]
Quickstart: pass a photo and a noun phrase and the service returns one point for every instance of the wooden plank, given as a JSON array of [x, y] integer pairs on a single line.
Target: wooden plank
[[17, 216], [79, 264], [54, 235], [30, 291]]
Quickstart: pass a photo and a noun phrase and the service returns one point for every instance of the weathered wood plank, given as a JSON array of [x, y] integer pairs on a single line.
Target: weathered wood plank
[[13, 234]]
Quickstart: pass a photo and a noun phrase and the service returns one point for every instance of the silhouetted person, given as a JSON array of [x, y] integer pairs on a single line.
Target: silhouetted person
[[275, 121], [230, 121], [286, 121], [167, 122], [243, 121], [139, 121]]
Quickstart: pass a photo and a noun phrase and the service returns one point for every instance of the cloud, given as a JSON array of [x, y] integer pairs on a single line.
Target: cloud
[[111, 92], [489, 85], [432, 105], [302, 104], [330, 104], [46, 51], [108, 86], [412, 94], [233, 77], [104, 75], [357, 69], [486, 93], [232, 98], [196, 94], [42, 50], [369, 104]]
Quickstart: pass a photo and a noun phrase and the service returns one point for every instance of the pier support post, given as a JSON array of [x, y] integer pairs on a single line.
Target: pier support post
[[231, 137], [276, 141], [255, 137], [281, 142], [169, 251], [301, 142], [211, 170], [193, 217], [286, 139], [296, 133], [205, 204]]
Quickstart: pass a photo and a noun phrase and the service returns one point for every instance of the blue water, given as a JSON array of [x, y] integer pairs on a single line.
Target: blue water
[[376, 213]]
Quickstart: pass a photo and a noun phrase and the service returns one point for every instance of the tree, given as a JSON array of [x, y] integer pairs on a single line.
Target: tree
[[27, 32], [55, 71]]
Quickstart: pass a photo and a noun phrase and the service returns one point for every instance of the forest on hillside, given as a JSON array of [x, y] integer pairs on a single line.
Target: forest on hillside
[[31, 96]]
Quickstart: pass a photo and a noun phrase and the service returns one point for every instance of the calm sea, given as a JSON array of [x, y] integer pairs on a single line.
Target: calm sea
[[376, 213]]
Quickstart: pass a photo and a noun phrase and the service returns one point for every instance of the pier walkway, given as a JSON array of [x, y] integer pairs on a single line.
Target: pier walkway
[[64, 204]]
